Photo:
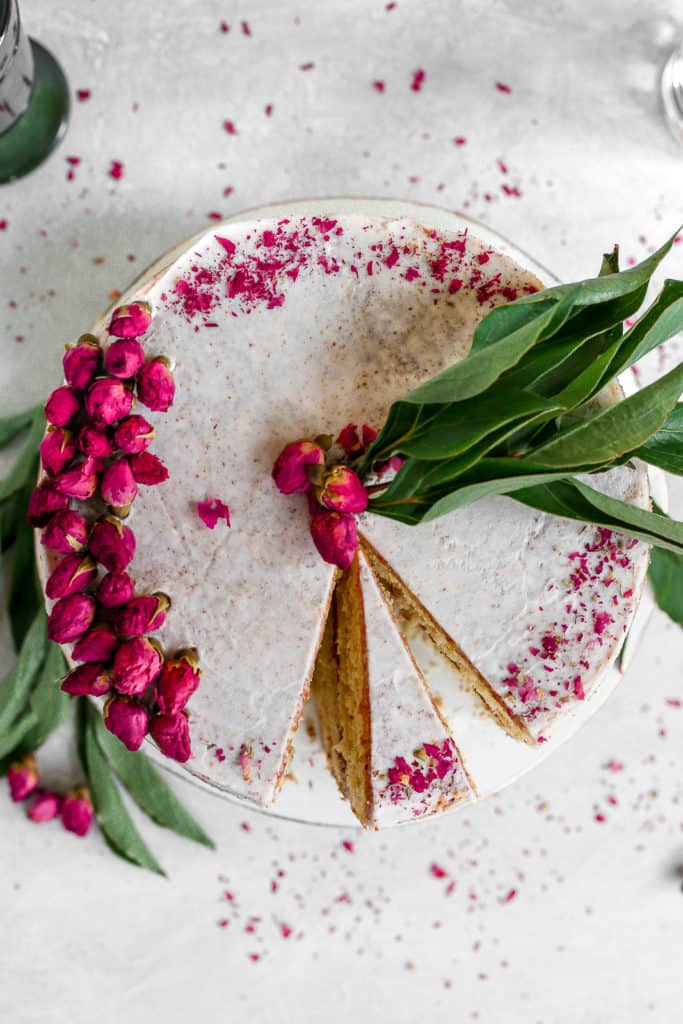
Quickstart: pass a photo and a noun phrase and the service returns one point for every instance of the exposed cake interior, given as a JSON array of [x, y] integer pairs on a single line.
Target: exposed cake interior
[[406, 607], [341, 693]]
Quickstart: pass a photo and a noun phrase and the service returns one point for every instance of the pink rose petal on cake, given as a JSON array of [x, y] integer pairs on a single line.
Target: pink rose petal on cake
[[211, 510]]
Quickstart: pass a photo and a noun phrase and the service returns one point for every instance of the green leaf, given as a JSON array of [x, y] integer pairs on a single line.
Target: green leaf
[[661, 321], [10, 426], [666, 577], [17, 683], [147, 787], [615, 430], [25, 468], [116, 823], [49, 703], [12, 737], [574, 499], [665, 448], [25, 596]]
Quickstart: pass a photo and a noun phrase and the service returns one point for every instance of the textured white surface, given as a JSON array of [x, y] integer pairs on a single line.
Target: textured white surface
[[593, 932]]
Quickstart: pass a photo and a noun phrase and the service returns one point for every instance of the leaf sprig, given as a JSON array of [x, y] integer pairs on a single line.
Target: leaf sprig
[[524, 412], [32, 705]]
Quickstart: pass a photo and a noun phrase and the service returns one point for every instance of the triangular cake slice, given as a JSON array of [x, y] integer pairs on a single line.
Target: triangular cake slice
[[531, 609], [386, 742]]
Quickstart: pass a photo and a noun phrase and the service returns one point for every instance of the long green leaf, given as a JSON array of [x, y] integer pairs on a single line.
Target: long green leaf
[[25, 467], [49, 703], [617, 429], [17, 684], [12, 737], [116, 823], [147, 787], [25, 596], [665, 448], [666, 577], [10, 426]]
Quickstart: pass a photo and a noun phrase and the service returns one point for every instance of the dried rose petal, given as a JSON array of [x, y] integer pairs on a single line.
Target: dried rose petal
[[82, 361], [336, 537], [80, 481], [112, 544], [171, 733], [137, 664], [44, 502], [342, 491], [23, 778], [179, 679], [88, 680], [117, 487], [124, 358], [211, 510], [62, 406], [57, 449], [143, 614], [155, 385], [66, 532], [148, 469], [94, 442], [290, 468], [115, 589], [70, 618], [72, 574], [107, 400], [131, 321], [45, 806], [133, 435], [128, 720], [77, 811], [98, 644]]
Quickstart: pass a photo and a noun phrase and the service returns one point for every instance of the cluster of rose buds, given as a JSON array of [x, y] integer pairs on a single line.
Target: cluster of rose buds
[[336, 495], [74, 809], [96, 446]]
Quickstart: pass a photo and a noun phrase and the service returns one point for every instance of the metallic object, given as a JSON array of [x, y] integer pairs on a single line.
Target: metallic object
[[672, 93]]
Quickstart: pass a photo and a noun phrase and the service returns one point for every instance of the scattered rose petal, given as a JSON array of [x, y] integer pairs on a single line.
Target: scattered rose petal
[[502, 87], [246, 30], [418, 80], [459, 140], [229, 127], [211, 510], [82, 95], [116, 170], [307, 67], [224, 27], [379, 86]]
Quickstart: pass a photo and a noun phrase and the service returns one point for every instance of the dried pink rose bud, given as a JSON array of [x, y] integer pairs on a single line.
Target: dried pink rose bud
[[115, 589], [143, 614], [82, 361], [112, 543], [336, 537], [106, 401], [134, 434], [62, 406], [290, 468], [77, 811], [88, 680], [342, 491], [118, 488], [45, 806], [137, 663], [128, 720], [66, 532], [44, 502], [124, 358], [171, 733], [23, 778], [57, 449], [130, 321], [80, 481], [70, 618], [97, 443], [98, 644], [179, 679], [71, 575], [148, 469], [155, 385]]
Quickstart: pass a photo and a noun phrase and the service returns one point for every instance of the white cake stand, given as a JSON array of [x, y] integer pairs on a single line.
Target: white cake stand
[[494, 760]]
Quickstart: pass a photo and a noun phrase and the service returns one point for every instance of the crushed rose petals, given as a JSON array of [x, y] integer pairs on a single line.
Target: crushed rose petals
[[211, 510], [116, 170]]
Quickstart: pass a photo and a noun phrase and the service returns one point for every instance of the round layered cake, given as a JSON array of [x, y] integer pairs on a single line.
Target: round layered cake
[[277, 329]]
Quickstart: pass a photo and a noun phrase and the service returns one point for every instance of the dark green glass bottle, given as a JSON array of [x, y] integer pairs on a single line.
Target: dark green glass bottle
[[34, 98]]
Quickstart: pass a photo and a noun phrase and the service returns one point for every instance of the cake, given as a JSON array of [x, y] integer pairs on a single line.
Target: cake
[[278, 329]]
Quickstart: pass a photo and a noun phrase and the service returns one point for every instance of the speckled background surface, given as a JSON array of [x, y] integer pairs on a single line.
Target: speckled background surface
[[558, 901]]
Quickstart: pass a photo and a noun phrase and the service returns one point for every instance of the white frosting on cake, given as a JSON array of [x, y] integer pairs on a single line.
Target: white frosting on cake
[[282, 329], [407, 781]]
